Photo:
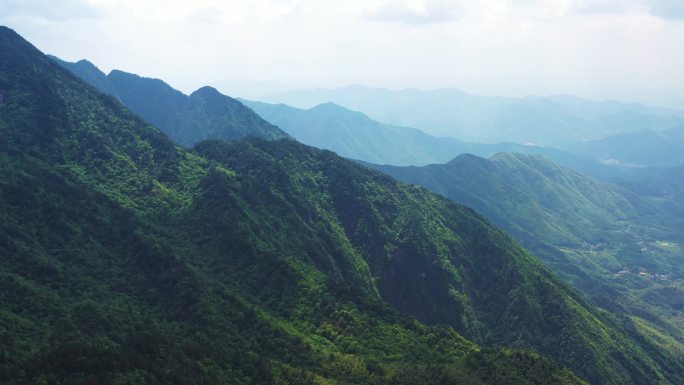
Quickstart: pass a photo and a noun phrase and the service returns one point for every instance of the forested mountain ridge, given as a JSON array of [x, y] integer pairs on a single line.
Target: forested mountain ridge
[[535, 198], [665, 183], [204, 114], [133, 260], [157, 265], [620, 247]]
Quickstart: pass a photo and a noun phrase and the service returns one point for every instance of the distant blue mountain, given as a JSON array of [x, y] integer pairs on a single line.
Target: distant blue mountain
[[551, 121], [642, 148], [354, 135]]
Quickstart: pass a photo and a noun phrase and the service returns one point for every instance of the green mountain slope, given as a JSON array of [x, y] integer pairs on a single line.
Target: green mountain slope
[[619, 247], [666, 183], [204, 114], [534, 198], [131, 260]]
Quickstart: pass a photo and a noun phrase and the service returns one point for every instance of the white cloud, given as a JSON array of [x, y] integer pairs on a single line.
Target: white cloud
[[417, 11], [586, 47], [48, 10], [664, 9]]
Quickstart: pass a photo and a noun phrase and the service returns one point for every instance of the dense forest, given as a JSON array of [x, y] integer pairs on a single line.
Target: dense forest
[[129, 259], [619, 245]]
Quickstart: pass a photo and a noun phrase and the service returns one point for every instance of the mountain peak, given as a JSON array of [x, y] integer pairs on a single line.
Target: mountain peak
[[82, 66], [198, 256], [135, 87], [85, 62], [207, 91], [116, 73], [205, 114], [9, 32], [15, 47], [330, 107], [466, 158], [511, 156]]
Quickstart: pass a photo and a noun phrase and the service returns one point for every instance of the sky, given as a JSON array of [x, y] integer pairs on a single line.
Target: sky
[[602, 49]]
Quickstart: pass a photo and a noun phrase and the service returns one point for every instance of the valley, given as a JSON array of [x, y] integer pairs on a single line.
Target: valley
[[621, 249], [356, 235]]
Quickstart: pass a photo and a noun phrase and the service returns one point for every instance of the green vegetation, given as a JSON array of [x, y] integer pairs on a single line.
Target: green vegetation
[[621, 248], [541, 202], [659, 184], [127, 259], [204, 114]]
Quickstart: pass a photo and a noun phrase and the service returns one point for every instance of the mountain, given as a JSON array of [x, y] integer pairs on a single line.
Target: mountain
[[643, 148], [132, 260], [88, 72], [619, 247], [555, 121], [204, 114], [533, 197], [356, 136], [659, 183]]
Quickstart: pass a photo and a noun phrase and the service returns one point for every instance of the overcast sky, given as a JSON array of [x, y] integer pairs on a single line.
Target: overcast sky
[[629, 49]]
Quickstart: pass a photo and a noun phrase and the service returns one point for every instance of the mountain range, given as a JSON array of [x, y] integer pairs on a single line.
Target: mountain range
[[639, 149], [354, 135], [204, 114], [621, 246], [555, 121], [351, 134], [662, 183], [130, 259]]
